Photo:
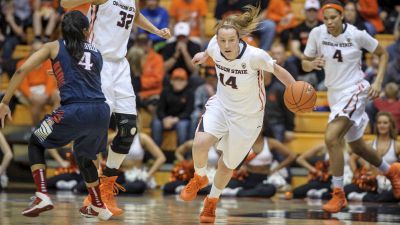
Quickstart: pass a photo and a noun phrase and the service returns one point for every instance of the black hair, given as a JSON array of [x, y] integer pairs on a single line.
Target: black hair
[[72, 27]]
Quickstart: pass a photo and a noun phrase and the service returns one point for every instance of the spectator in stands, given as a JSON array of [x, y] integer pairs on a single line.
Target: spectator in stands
[[369, 10], [151, 72], [174, 108], [12, 29], [40, 88], [280, 119], [389, 103], [391, 18], [352, 16], [179, 53], [157, 15], [279, 17], [299, 40], [392, 49], [201, 96], [279, 54], [44, 10], [192, 12], [393, 68], [6, 156]]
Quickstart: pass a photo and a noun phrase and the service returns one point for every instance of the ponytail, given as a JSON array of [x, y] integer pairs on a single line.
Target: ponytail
[[245, 23], [72, 27]]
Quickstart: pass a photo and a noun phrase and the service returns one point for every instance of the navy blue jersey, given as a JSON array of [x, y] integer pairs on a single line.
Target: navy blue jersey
[[79, 81]]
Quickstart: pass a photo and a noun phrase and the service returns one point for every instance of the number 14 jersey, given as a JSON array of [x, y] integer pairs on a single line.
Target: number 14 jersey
[[240, 87], [342, 54], [110, 27]]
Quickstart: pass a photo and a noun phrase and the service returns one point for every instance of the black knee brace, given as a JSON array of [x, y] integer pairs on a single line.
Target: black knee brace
[[127, 130], [87, 169], [35, 151]]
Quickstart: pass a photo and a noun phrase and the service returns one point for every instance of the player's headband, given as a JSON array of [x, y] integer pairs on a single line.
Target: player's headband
[[334, 6]]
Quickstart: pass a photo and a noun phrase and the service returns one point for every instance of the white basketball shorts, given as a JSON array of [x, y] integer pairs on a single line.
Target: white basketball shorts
[[117, 86], [236, 132], [350, 103]]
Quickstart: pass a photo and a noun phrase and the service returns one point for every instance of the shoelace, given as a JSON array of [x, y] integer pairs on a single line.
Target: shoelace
[[209, 209], [194, 184]]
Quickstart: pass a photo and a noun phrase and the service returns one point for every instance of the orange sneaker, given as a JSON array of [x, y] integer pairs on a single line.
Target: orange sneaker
[[189, 192], [108, 189], [207, 215], [337, 203], [394, 176]]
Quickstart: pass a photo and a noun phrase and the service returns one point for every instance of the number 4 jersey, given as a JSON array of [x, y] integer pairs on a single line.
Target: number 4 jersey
[[342, 54], [110, 27], [241, 82]]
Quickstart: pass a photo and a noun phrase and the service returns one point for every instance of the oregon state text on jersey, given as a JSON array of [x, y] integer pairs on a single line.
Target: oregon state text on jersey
[[342, 54], [111, 22], [241, 82]]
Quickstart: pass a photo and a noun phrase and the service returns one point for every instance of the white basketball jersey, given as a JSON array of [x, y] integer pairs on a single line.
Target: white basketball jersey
[[342, 54], [110, 27], [241, 82]]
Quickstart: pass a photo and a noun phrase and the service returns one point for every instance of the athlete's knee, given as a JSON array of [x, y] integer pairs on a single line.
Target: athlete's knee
[[87, 168], [127, 130], [358, 147], [332, 140]]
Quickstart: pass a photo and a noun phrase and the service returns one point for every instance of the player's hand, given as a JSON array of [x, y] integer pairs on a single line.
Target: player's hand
[[318, 63], [164, 33], [199, 58], [4, 111], [65, 164], [374, 90]]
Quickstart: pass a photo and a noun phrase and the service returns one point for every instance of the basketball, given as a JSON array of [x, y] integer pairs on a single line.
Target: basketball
[[300, 97]]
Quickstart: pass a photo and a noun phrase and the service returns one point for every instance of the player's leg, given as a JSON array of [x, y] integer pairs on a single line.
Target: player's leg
[[211, 126], [89, 173], [334, 140]]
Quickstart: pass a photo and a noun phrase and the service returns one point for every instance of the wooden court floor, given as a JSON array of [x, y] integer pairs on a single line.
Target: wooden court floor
[[156, 209]]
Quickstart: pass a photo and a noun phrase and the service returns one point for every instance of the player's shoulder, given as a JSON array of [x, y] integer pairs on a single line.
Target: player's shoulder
[[318, 30], [254, 51]]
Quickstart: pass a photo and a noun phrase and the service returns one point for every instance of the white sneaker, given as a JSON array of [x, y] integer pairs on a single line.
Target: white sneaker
[[93, 211], [41, 203]]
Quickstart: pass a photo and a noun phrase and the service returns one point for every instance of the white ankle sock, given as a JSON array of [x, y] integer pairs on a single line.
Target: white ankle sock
[[384, 167], [337, 182], [215, 192], [201, 171]]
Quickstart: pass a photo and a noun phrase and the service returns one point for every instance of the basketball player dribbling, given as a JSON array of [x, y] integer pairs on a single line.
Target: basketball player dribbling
[[336, 47], [234, 116], [83, 116], [110, 26]]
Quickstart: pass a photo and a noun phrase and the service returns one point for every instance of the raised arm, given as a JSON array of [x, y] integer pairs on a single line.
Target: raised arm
[[182, 149], [145, 24], [277, 146], [7, 154], [155, 151]]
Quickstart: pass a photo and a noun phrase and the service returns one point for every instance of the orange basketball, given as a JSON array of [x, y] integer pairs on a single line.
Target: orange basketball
[[300, 97]]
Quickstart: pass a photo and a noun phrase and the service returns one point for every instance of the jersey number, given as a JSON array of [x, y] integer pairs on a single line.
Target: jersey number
[[126, 20], [230, 82], [338, 56], [85, 61]]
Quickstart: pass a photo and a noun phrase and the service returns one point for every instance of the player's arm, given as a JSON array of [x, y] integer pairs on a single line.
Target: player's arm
[[74, 3], [283, 150], [310, 60], [376, 87], [7, 154], [155, 151], [182, 149], [142, 22], [302, 159], [202, 57]]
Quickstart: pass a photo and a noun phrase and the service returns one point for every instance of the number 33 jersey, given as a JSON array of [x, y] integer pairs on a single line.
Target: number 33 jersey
[[110, 27], [342, 54], [240, 87]]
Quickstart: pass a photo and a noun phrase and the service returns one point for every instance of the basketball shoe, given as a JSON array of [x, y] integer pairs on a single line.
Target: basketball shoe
[[40, 203], [92, 211], [207, 215], [189, 192], [337, 203]]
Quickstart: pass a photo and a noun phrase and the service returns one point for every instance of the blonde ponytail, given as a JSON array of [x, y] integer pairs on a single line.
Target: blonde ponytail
[[245, 23]]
